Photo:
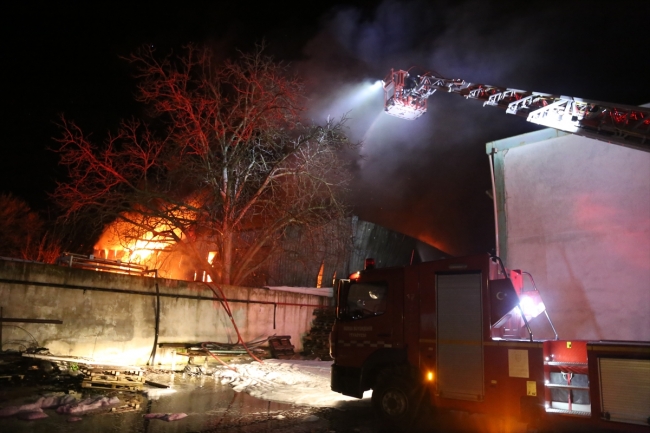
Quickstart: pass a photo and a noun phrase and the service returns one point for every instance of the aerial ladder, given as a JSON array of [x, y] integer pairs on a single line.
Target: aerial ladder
[[406, 96]]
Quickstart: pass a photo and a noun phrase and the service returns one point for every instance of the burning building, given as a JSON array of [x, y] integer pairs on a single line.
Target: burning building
[[304, 258]]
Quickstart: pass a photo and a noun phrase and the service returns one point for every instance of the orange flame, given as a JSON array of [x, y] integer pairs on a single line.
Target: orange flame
[[126, 242], [129, 243]]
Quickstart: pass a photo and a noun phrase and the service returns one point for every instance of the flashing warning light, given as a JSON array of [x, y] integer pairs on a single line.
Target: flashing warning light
[[430, 376], [355, 276], [369, 264], [531, 304]]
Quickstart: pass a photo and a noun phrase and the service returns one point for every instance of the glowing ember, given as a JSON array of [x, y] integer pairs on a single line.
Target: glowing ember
[[211, 256]]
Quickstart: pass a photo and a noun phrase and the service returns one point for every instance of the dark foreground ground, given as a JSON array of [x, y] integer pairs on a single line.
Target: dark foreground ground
[[209, 405], [212, 407]]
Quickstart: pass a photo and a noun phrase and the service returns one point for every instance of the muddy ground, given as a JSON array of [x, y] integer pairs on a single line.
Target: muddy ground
[[209, 405]]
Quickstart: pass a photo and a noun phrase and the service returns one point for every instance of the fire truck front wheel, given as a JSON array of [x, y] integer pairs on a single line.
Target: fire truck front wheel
[[395, 397]]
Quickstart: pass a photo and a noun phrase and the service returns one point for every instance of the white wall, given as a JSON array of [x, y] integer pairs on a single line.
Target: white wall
[[577, 216]]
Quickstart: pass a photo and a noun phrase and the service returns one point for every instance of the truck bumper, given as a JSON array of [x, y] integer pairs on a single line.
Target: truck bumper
[[346, 380]]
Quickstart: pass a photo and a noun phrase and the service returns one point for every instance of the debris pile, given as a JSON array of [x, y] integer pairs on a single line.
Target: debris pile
[[215, 350], [43, 367], [37, 365]]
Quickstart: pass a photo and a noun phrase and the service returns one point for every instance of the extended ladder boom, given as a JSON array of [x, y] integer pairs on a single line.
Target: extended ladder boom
[[406, 96]]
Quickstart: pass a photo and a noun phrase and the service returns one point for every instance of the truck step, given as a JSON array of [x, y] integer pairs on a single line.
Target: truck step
[[568, 412]]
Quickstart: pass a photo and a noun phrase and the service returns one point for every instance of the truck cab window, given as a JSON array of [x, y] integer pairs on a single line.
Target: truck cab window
[[366, 300]]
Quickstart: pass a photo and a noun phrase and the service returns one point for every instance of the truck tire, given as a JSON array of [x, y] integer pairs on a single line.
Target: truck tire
[[396, 397]]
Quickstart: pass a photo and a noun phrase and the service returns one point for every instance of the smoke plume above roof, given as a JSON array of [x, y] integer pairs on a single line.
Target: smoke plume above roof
[[428, 178]]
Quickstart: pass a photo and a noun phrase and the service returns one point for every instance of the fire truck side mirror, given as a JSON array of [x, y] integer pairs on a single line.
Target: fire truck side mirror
[[341, 295]]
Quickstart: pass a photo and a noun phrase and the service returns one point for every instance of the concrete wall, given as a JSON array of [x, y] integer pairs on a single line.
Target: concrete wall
[[575, 212], [111, 317]]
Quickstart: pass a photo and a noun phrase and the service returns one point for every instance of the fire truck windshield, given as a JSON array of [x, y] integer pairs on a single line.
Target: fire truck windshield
[[364, 300]]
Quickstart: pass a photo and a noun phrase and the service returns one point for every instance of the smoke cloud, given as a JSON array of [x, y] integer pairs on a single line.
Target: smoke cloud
[[428, 178]]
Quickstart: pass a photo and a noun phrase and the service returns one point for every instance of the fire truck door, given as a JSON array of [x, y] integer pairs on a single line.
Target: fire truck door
[[460, 342]]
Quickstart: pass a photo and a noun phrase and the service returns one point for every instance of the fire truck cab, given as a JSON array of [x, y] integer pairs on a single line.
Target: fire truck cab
[[454, 333]]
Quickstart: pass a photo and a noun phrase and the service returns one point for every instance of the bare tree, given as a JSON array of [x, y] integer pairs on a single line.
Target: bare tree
[[226, 165], [23, 233]]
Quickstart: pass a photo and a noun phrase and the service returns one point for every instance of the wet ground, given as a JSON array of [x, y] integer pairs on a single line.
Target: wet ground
[[209, 406], [212, 407]]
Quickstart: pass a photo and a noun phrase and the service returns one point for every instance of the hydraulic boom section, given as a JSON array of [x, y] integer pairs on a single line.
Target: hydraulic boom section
[[406, 95]]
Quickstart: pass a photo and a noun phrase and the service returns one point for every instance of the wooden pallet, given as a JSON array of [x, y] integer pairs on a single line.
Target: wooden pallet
[[114, 377], [281, 347], [109, 384], [126, 376], [128, 379], [130, 371]]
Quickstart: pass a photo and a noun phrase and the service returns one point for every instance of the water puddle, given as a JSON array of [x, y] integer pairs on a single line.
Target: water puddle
[[208, 404]]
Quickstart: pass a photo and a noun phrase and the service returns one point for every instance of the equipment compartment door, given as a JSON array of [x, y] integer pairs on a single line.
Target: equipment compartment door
[[460, 336], [625, 389]]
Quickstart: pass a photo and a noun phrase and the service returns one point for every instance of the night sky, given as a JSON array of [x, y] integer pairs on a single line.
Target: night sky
[[427, 178]]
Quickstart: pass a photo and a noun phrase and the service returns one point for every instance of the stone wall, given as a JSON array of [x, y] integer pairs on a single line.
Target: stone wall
[[111, 317]]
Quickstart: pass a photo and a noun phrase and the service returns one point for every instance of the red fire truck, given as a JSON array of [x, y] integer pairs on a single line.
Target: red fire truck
[[455, 332]]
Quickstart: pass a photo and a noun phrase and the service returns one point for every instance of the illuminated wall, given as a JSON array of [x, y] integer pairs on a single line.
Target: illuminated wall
[[575, 212], [111, 317]]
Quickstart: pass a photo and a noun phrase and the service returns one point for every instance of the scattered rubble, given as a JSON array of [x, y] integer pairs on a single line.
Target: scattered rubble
[[38, 369], [195, 370], [87, 405], [129, 407], [301, 384], [87, 390], [32, 366], [63, 403], [166, 416]]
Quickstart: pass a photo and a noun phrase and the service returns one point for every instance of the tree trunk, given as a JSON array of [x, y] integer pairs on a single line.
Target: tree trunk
[[227, 257]]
